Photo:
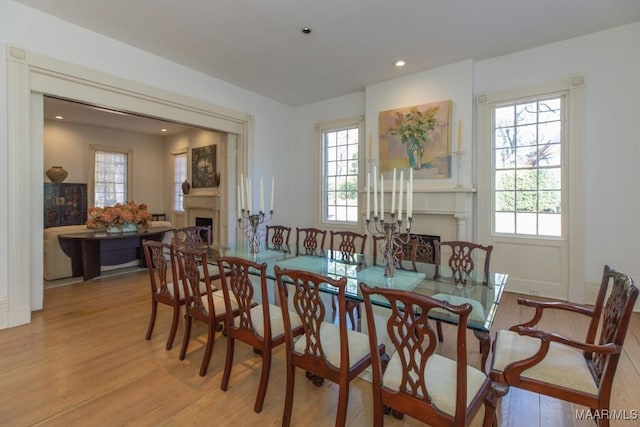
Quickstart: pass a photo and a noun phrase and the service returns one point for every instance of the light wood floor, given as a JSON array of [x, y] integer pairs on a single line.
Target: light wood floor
[[83, 360]]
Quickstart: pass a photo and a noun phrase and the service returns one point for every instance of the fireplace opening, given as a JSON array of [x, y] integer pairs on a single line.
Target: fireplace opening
[[205, 222]]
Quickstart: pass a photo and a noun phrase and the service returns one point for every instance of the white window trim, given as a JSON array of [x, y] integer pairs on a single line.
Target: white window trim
[[91, 186], [320, 128], [574, 153]]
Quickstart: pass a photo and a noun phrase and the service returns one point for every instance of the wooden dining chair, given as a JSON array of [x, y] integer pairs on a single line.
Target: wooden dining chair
[[346, 245], [277, 237], [462, 262], [577, 371], [416, 381], [406, 251], [209, 308], [165, 287], [258, 325], [325, 350], [310, 241], [196, 237]]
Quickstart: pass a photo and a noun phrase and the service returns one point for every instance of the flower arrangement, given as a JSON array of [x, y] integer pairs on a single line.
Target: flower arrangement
[[118, 215], [413, 129]]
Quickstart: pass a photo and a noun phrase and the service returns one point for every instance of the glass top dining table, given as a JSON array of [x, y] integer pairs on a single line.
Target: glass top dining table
[[484, 299]]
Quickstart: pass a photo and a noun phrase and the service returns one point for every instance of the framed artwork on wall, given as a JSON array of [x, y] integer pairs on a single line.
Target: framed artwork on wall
[[204, 168], [418, 136]]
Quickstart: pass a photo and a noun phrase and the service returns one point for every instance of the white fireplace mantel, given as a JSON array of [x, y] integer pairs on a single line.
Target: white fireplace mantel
[[443, 211]]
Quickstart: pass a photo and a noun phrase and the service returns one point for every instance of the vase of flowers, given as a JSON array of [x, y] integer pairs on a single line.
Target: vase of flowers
[[120, 218], [414, 128]]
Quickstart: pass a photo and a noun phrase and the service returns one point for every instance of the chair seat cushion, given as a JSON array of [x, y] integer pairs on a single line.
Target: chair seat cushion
[[330, 339], [440, 378], [218, 303], [563, 365], [275, 315], [202, 287]]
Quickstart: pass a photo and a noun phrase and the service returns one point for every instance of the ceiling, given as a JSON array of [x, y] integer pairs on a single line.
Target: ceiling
[[258, 45], [75, 112]]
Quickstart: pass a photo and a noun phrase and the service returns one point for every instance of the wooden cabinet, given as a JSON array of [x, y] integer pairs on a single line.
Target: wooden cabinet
[[64, 204]]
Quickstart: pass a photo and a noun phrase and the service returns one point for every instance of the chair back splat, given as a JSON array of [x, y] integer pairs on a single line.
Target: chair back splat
[[576, 371], [416, 381], [277, 237], [310, 241]]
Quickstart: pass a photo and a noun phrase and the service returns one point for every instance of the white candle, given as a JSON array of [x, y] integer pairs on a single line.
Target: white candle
[[273, 190], [261, 195], [375, 193], [242, 197], [368, 191], [238, 207], [393, 193], [400, 196], [381, 197], [459, 135], [249, 197], [410, 195]]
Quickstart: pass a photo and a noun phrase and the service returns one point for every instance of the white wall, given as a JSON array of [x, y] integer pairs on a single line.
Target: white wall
[[67, 145], [301, 162], [610, 62]]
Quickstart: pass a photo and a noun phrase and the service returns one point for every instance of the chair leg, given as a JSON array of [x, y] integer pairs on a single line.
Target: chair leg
[[228, 363], [288, 397], [352, 317], [343, 404], [211, 337], [378, 409], [264, 379], [439, 330], [187, 336], [152, 320], [174, 327]]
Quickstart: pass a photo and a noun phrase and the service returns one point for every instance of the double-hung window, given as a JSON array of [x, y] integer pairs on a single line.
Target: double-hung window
[[340, 150], [112, 169], [179, 176], [528, 147]]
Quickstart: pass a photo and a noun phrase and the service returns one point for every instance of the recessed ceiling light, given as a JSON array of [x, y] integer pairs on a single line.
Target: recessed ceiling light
[[306, 30], [59, 117], [400, 63], [163, 130]]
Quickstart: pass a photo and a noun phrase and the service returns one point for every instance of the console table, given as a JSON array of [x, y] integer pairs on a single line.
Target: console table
[[90, 249]]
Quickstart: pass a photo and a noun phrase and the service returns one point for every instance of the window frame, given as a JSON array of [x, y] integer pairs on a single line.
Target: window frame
[[321, 129], [92, 170], [564, 180], [174, 193]]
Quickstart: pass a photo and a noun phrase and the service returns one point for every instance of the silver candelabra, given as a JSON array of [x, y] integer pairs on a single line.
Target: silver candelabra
[[392, 240], [251, 227]]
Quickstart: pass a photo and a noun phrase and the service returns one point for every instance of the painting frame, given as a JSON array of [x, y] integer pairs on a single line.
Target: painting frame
[[435, 160], [204, 167]]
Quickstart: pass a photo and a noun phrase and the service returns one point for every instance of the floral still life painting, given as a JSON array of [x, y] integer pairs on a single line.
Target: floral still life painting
[[417, 137]]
